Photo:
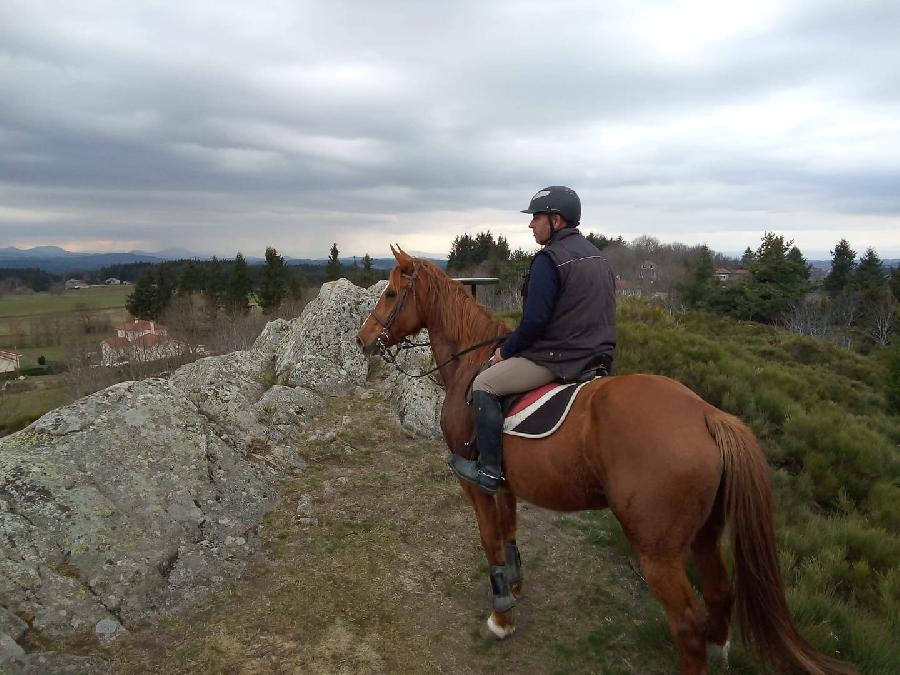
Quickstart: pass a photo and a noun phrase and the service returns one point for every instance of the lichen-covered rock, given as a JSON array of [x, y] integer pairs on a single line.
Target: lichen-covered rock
[[417, 400], [225, 388], [50, 663], [320, 350], [118, 505], [282, 405], [11, 625]]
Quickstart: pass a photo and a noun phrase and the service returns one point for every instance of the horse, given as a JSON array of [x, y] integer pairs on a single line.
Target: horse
[[672, 468]]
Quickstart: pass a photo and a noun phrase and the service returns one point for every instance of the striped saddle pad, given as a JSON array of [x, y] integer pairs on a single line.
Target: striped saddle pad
[[540, 412]]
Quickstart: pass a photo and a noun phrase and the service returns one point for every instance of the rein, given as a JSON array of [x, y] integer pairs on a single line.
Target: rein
[[391, 356]]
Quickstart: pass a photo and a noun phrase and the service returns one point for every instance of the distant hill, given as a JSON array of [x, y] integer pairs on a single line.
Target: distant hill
[[60, 261]]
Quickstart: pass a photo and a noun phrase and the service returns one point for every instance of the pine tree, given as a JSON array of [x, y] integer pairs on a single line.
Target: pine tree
[[215, 284], [274, 282], [699, 286], [779, 277], [143, 302], [237, 295], [165, 286], [895, 283], [842, 267], [191, 279], [368, 276], [333, 268]]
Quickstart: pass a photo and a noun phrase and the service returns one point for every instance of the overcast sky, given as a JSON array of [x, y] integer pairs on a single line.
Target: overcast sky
[[224, 126]]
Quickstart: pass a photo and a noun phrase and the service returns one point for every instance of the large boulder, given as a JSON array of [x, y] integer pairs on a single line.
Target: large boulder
[[320, 351], [121, 504], [417, 401]]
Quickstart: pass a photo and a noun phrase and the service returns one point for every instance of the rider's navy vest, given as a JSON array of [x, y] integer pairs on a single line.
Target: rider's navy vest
[[583, 325]]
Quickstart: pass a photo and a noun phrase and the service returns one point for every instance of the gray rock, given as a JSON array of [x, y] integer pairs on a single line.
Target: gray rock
[[320, 350], [52, 663], [11, 624], [304, 506], [281, 405], [108, 630], [417, 401], [109, 498], [10, 651], [225, 389]]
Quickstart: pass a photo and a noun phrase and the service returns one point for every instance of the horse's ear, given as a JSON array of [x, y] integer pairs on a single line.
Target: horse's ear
[[404, 260]]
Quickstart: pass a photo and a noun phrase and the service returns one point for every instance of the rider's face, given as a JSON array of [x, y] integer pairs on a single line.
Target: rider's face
[[541, 227]]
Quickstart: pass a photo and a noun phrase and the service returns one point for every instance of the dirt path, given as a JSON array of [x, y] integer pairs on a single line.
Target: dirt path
[[392, 578]]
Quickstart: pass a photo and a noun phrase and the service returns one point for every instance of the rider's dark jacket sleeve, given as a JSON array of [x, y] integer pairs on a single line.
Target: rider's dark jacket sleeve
[[540, 301]]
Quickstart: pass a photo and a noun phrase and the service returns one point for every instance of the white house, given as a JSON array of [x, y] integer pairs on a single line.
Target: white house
[[9, 361], [139, 341]]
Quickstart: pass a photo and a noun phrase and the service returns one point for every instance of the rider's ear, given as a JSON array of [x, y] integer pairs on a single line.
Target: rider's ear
[[406, 262]]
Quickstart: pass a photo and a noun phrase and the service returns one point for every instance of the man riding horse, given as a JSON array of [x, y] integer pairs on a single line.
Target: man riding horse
[[568, 327]]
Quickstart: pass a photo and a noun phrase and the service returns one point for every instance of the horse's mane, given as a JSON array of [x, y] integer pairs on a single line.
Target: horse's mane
[[453, 309]]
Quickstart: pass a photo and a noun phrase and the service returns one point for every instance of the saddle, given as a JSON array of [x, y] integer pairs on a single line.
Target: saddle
[[540, 412]]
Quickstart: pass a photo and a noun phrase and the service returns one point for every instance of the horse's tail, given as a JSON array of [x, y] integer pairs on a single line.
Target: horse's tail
[[766, 623]]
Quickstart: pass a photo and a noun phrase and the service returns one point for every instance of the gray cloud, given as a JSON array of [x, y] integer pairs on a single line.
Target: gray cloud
[[302, 122]]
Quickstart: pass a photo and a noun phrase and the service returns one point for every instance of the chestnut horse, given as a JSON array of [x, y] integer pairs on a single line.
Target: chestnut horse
[[671, 467]]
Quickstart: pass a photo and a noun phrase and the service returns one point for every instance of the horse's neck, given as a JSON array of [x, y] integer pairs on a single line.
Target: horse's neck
[[446, 342]]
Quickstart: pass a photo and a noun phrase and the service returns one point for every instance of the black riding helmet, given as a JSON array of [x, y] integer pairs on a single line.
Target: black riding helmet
[[557, 199]]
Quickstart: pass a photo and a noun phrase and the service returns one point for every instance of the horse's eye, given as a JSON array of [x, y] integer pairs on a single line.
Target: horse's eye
[[391, 294]]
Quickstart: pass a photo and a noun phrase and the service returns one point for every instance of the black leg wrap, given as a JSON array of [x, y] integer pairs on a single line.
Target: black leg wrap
[[503, 599], [513, 563]]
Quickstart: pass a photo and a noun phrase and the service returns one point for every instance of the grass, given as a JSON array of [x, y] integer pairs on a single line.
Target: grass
[[34, 304], [18, 410]]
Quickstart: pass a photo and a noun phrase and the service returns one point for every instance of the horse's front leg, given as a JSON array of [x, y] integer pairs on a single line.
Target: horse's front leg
[[500, 622], [506, 505]]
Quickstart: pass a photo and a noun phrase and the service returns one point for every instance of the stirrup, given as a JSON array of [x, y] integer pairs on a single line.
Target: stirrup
[[472, 471]]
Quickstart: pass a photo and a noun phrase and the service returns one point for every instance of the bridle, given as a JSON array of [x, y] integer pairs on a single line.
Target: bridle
[[391, 356]]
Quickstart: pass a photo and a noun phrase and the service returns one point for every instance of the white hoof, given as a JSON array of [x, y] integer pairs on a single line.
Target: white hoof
[[500, 632], [721, 652]]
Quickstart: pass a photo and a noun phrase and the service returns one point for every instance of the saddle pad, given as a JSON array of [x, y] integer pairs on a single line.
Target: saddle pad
[[541, 412]]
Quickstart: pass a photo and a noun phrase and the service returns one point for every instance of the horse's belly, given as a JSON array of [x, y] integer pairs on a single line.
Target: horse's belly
[[550, 479]]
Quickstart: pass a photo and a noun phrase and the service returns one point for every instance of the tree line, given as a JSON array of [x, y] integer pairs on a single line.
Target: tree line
[[231, 286], [857, 298]]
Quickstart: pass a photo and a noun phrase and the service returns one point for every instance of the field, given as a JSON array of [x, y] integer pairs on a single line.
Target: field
[[52, 325], [34, 304]]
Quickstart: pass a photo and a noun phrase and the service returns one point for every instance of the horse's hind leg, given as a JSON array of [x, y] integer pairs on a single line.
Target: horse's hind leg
[[687, 622], [506, 506], [718, 594]]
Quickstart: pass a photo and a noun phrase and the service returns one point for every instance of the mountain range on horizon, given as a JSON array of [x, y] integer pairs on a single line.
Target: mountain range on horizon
[[59, 260]]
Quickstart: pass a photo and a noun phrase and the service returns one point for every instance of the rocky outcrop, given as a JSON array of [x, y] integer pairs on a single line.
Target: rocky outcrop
[[139, 498], [319, 351], [416, 400], [118, 505]]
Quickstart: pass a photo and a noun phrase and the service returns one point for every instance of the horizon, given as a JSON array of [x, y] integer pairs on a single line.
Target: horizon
[[735, 255], [136, 127]]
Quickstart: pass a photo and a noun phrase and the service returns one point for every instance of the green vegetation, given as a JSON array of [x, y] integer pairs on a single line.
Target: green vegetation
[[826, 419], [31, 304], [333, 267], [21, 409]]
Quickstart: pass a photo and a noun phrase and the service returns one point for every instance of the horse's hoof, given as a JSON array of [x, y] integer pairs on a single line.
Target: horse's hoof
[[500, 626], [720, 651]]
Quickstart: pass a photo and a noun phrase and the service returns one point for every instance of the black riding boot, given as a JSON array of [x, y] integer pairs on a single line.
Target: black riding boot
[[486, 471]]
